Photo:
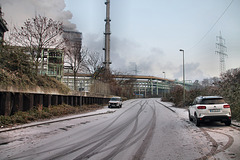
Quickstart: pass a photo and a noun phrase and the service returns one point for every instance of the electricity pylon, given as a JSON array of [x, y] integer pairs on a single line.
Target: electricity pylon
[[220, 45]]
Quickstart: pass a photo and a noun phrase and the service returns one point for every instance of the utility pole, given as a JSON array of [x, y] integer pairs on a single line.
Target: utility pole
[[221, 52], [107, 36], [136, 69]]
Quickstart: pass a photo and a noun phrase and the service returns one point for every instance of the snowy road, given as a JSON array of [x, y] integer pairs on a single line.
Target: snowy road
[[142, 129]]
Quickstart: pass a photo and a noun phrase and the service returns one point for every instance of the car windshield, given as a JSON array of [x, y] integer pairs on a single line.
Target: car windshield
[[213, 101], [115, 99]]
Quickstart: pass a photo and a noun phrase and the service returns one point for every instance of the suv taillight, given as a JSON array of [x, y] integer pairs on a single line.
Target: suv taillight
[[226, 106], [201, 107]]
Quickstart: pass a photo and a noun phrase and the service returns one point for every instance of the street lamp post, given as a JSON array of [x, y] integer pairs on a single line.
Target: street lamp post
[[181, 50], [164, 76]]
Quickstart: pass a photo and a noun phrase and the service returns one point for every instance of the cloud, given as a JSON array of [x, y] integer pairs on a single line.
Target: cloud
[[127, 56], [192, 72], [157, 51], [123, 51], [94, 42], [17, 11]]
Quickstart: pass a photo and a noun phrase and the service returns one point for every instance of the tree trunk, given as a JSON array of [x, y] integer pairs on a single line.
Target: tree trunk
[[74, 80]]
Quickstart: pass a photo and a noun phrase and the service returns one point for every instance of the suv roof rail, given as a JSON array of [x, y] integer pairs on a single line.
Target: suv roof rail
[[205, 97]]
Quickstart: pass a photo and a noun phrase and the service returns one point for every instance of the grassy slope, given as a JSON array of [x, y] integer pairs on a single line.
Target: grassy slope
[[17, 72]]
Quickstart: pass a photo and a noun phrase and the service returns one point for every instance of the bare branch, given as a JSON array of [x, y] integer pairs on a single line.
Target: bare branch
[[93, 61], [36, 34]]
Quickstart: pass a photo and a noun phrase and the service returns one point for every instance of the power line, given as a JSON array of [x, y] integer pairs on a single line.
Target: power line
[[212, 26]]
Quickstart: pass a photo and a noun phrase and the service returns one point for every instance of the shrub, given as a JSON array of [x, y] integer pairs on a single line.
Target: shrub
[[38, 113], [175, 95], [228, 87], [5, 120]]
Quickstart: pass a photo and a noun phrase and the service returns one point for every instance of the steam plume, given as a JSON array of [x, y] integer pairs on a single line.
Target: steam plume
[[17, 11]]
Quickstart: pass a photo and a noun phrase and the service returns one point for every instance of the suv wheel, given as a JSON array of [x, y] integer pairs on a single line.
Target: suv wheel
[[228, 123], [196, 121], [189, 116]]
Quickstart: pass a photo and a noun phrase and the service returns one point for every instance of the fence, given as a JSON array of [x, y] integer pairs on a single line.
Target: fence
[[11, 102]]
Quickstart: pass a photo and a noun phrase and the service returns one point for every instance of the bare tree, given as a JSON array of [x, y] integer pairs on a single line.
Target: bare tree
[[36, 34], [74, 54], [93, 61]]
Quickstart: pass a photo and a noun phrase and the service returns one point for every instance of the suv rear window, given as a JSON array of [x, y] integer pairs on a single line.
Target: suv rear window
[[213, 101]]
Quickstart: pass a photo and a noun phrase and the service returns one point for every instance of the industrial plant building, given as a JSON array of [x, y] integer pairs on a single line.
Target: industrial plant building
[[52, 63]]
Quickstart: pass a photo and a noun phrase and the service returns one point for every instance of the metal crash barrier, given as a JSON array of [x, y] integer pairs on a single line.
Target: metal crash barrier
[[11, 102]]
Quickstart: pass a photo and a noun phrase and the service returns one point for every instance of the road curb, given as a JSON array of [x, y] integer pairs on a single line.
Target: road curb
[[51, 121], [167, 107], [236, 124]]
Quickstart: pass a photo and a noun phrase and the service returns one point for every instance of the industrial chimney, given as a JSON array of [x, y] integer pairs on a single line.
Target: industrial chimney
[[107, 36]]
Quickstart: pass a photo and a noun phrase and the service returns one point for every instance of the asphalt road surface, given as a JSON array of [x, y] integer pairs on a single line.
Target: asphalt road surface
[[142, 129]]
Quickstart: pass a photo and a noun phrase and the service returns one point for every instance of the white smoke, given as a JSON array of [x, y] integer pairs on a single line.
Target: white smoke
[[16, 12]]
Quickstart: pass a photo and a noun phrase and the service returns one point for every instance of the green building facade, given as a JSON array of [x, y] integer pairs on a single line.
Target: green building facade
[[52, 63]]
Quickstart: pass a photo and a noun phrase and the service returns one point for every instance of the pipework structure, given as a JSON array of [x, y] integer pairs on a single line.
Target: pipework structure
[[221, 52], [107, 36]]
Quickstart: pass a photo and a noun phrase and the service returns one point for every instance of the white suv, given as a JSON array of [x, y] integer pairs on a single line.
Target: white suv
[[115, 102], [209, 108]]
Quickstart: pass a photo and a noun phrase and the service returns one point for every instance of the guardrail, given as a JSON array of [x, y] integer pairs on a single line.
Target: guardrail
[[11, 102]]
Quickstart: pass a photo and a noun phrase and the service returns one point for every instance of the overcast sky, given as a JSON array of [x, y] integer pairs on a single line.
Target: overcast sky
[[148, 33]]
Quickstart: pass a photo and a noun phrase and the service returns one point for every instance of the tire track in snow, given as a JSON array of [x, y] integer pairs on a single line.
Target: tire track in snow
[[214, 149]]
